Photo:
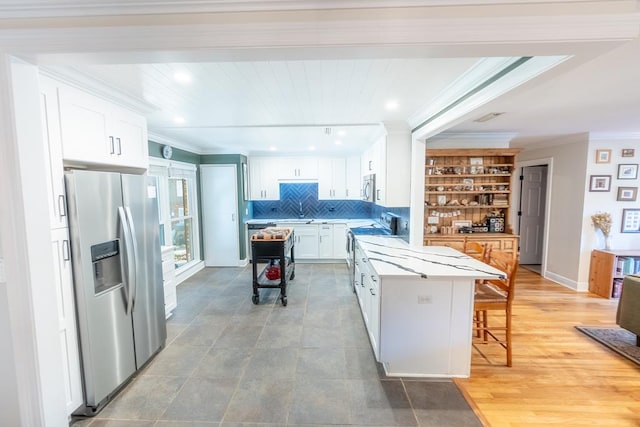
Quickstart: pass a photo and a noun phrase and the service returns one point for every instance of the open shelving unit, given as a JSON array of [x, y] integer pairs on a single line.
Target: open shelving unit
[[469, 187]]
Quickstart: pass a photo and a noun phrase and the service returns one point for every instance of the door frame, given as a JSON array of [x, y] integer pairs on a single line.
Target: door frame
[[517, 198]]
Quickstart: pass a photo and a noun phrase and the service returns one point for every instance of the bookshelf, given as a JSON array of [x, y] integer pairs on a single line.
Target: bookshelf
[[608, 268], [468, 196]]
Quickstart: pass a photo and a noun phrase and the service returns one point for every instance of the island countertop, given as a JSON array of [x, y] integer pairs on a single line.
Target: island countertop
[[392, 256]]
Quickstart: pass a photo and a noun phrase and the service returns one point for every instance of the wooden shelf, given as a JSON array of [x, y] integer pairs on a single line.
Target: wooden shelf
[[466, 207], [602, 270], [468, 192]]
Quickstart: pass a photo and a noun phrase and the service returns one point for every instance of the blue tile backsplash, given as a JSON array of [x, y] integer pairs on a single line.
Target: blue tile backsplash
[[302, 199], [293, 196]]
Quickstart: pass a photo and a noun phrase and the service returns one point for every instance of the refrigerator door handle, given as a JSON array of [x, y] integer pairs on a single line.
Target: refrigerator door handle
[[134, 243], [129, 249]]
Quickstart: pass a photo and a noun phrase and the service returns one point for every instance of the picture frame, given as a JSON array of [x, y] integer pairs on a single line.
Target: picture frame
[[627, 194], [628, 152], [442, 200], [475, 161], [630, 221], [600, 183], [628, 171], [603, 156], [468, 184]]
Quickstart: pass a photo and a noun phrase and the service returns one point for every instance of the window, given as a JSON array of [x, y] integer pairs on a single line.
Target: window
[[178, 209]]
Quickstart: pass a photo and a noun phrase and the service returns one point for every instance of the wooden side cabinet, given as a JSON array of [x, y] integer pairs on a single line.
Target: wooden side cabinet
[[607, 268]]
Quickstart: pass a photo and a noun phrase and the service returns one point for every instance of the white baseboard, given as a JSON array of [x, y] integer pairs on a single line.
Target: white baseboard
[[561, 280], [193, 269]]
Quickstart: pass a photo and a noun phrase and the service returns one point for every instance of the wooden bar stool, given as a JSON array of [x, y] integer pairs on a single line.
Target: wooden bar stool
[[496, 295]]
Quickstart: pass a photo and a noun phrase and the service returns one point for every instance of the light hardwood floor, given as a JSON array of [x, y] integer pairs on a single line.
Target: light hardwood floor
[[559, 375]]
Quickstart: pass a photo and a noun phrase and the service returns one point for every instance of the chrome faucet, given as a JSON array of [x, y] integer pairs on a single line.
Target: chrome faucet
[[300, 213]]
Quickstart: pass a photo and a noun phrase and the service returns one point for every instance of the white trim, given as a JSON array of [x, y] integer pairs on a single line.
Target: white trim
[[571, 284], [87, 83], [30, 9], [608, 136], [188, 271], [163, 139], [527, 71], [373, 29], [168, 164], [502, 137]]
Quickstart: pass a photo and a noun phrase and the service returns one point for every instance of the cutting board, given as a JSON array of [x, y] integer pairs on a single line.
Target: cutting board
[[273, 233]]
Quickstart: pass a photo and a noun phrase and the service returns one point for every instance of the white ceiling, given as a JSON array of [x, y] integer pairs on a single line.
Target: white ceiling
[[249, 100]]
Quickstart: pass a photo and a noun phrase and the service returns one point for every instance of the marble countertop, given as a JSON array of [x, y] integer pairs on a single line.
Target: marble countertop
[[393, 257], [349, 222]]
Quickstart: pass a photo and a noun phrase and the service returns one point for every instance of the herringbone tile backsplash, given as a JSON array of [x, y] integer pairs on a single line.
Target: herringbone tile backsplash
[[293, 195]]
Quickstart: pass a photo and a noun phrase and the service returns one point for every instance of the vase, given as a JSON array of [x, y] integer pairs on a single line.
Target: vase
[[607, 242]]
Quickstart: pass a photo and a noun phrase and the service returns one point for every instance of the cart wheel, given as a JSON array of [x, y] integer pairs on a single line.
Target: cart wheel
[[255, 299], [284, 301]]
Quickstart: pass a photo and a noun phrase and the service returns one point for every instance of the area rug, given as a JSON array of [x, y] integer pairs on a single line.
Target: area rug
[[619, 340]]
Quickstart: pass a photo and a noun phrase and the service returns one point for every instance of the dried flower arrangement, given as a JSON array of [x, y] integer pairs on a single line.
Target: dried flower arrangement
[[602, 220]]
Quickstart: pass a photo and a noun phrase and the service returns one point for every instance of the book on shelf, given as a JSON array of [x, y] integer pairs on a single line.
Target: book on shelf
[[616, 290], [629, 266], [620, 266]]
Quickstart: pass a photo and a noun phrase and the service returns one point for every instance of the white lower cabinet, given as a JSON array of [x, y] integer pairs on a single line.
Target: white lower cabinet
[[169, 281], [325, 242], [305, 240], [67, 329], [369, 298], [339, 241]]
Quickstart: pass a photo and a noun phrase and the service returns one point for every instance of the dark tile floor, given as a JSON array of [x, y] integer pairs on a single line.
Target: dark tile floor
[[229, 362]]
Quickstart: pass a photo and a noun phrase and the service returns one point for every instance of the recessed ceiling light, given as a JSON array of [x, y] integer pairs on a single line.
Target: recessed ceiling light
[[272, 148], [182, 77], [342, 132], [338, 142], [312, 148], [488, 117], [391, 105], [179, 120]]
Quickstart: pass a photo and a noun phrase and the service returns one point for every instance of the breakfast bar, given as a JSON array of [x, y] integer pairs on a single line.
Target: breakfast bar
[[417, 303]]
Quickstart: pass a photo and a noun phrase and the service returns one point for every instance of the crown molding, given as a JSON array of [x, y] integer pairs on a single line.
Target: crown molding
[[474, 136], [608, 136], [293, 31], [39, 9], [162, 139], [97, 87]]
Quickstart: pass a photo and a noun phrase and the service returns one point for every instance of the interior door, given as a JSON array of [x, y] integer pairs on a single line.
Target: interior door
[[220, 215], [532, 208]]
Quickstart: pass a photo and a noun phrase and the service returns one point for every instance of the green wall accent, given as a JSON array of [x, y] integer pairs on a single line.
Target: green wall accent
[[155, 150]]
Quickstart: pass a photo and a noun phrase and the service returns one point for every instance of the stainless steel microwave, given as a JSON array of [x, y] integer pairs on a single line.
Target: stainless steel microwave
[[369, 188]]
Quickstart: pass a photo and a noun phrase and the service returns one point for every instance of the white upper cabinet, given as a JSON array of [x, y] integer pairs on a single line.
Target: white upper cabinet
[[332, 181], [354, 178], [95, 131], [298, 168], [263, 178], [53, 148]]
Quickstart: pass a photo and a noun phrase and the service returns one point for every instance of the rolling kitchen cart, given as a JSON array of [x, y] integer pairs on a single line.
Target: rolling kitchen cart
[[272, 244]]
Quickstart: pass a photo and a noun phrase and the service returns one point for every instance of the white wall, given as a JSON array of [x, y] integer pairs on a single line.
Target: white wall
[[565, 225]]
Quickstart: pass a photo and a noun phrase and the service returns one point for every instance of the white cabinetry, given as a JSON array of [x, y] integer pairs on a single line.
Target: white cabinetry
[[369, 298], [354, 178], [325, 243], [169, 281], [67, 332], [339, 241], [390, 159], [263, 178], [305, 240], [298, 168], [97, 132], [332, 178], [53, 152], [60, 245]]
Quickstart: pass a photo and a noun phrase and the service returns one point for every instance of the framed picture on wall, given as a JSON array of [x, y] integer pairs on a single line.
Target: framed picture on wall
[[600, 183], [628, 152], [603, 156], [627, 194], [630, 221], [627, 171]]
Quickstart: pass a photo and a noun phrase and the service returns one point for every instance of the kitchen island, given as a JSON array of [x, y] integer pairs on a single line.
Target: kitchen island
[[417, 304]]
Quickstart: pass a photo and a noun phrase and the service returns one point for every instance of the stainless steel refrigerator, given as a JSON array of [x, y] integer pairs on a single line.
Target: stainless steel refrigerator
[[117, 275]]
